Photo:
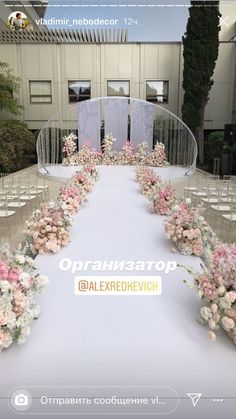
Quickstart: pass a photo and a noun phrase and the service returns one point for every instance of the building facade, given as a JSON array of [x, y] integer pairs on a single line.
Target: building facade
[[62, 67]]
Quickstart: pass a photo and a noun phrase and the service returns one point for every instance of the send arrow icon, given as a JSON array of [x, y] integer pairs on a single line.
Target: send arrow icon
[[195, 397]]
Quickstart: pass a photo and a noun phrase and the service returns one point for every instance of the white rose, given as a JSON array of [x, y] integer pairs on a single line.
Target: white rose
[[25, 279], [25, 331], [212, 335], [205, 313], [221, 290], [5, 285], [188, 201], [20, 259], [214, 308], [216, 317], [30, 261], [36, 311], [11, 320], [42, 281]]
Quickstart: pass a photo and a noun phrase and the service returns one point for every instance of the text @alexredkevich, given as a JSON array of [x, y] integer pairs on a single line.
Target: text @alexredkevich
[[118, 285]]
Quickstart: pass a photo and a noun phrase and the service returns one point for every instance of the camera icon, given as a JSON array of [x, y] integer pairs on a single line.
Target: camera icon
[[21, 399]]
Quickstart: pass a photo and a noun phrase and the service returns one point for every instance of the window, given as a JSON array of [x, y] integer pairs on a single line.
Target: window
[[40, 91], [79, 90], [157, 91], [118, 88]]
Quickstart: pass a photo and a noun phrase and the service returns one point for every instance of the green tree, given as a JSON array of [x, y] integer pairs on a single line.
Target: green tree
[[201, 44], [17, 146], [9, 85]]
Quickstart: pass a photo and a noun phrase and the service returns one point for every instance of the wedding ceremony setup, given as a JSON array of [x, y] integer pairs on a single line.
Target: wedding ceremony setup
[[100, 217]]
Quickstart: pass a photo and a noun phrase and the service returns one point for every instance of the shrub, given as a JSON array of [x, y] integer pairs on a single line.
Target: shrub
[[215, 146], [17, 144]]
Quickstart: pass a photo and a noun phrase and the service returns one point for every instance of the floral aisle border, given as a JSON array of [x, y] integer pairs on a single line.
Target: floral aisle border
[[185, 226], [47, 231], [192, 235], [216, 286], [129, 155], [49, 227], [19, 283]]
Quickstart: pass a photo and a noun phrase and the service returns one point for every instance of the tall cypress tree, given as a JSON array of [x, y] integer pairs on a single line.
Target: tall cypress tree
[[201, 44]]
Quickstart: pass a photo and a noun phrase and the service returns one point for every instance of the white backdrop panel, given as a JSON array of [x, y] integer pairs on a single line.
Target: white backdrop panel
[[142, 118], [116, 120], [89, 124]]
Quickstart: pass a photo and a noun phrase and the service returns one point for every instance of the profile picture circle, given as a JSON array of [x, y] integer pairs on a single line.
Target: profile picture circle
[[17, 21]]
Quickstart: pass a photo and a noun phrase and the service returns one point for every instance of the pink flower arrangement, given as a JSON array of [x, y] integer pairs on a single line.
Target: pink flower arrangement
[[82, 181], [91, 170], [189, 231], [69, 148], [85, 178], [158, 156], [161, 194], [149, 182], [71, 198], [47, 231], [49, 228], [141, 154], [87, 156], [84, 156], [223, 263], [128, 155], [19, 284], [108, 155], [216, 286], [208, 288], [164, 199]]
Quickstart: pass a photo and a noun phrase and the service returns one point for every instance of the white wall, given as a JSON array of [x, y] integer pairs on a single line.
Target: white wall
[[228, 19], [219, 110]]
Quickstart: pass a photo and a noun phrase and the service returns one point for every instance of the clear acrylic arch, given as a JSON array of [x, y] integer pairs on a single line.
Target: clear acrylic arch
[[127, 119]]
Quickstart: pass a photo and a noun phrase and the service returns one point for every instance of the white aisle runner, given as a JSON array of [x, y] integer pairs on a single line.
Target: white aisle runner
[[119, 340]]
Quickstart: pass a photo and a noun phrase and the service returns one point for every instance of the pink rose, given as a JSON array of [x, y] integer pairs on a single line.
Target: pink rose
[[13, 274], [3, 270], [227, 323]]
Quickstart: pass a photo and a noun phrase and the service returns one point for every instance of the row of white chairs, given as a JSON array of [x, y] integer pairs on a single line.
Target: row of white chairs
[[218, 196], [20, 194]]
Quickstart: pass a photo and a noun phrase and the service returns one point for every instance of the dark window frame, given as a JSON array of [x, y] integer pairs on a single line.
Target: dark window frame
[[79, 81], [153, 99], [118, 81]]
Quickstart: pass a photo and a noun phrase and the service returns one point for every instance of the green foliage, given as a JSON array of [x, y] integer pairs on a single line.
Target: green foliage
[[9, 85], [201, 44], [17, 144], [216, 146]]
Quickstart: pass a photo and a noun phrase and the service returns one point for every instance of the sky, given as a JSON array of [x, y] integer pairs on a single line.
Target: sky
[[146, 20]]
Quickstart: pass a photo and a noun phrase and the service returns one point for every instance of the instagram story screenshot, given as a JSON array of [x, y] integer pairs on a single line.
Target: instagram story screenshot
[[117, 209]]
